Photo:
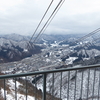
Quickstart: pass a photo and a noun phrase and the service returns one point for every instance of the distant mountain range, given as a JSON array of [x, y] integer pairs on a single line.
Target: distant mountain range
[[54, 52], [50, 38], [16, 47], [15, 37], [11, 50]]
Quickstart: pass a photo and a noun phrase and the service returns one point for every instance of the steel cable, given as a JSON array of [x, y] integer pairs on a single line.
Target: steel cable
[[41, 19], [52, 18], [48, 20]]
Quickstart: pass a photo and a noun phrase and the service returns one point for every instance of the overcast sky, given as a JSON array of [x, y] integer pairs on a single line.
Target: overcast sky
[[23, 16]]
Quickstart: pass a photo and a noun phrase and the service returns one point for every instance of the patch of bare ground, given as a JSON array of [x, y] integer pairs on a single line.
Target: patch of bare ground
[[2, 87], [1, 97], [33, 91]]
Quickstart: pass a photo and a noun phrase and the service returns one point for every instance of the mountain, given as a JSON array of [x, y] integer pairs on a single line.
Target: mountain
[[51, 52], [49, 38], [57, 53], [12, 51], [59, 38], [15, 37]]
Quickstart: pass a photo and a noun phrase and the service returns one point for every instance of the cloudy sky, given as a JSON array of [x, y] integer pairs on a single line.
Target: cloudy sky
[[23, 16]]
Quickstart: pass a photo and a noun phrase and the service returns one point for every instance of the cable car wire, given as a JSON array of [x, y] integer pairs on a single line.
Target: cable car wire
[[51, 19], [41, 19], [48, 20]]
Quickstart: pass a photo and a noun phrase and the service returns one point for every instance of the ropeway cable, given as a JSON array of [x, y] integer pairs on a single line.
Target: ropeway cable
[[84, 37], [88, 35], [41, 19], [29, 45], [51, 19], [48, 20]]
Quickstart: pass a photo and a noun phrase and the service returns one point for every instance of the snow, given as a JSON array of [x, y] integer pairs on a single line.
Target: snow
[[8, 71], [44, 40], [54, 44], [12, 84], [70, 60], [59, 51], [2, 92], [73, 77], [65, 45], [81, 43], [48, 60], [44, 43], [40, 86], [86, 58], [19, 96], [25, 50], [36, 61], [11, 94], [59, 60]]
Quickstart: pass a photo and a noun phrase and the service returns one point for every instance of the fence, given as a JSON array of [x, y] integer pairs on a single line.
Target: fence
[[76, 83]]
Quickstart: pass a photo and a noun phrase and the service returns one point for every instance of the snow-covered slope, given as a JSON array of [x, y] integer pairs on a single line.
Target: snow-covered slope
[[15, 37], [10, 93], [73, 86], [11, 50]]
